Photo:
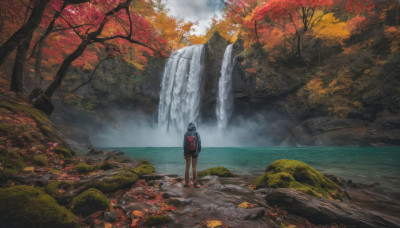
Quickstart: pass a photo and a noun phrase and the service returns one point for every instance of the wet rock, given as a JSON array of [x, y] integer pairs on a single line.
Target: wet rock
[[94, 152], [109, 181], [255, 213], [38, 180], [325, 211], [113, 154], [110, 216], [150, 177]]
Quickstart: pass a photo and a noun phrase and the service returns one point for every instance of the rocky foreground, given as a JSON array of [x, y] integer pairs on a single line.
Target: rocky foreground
[[124, 193], [44, 184]]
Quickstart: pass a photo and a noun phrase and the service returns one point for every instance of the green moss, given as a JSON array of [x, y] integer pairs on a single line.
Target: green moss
[[297, 175], [260, 181], [144, 162], [41, 160], [215, 171], [58, 190], [90, 201], [154, 220], [83, 168], [64, 151], [125, 178], [105, 165], [24, 206], [144, 169], [46, 131]]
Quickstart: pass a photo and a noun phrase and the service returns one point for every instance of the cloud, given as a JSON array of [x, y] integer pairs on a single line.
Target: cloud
[[191, 10]]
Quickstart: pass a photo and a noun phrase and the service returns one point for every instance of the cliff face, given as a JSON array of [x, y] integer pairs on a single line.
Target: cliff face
[[350, 97], [213, 54]]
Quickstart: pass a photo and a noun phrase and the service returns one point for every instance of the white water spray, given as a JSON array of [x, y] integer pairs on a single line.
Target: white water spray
[[180, 89], [225, 96]]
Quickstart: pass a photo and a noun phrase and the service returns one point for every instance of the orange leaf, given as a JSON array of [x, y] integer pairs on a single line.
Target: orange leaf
[[135, 223], [137, 213]]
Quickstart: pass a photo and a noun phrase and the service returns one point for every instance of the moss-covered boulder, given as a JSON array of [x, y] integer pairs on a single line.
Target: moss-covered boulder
[[155, 220], [40, 160], [59, 191], [90, 201], [144, 169], [64, 151], [115, 180], [297, 175], [83, 168], [24, 206], [107, 165], [215, 171]]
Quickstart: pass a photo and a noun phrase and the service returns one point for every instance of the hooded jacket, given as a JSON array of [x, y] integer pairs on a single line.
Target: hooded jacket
[[191, 131]]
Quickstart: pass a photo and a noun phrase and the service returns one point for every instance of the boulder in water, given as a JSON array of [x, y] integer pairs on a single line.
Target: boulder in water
[[216, 171]]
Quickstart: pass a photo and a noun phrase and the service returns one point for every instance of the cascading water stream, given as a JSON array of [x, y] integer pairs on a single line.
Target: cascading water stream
[[225, 96], [180, 89]]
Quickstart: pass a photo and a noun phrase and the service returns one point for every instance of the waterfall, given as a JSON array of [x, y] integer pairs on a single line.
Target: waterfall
[[180, 89], [225, 96]]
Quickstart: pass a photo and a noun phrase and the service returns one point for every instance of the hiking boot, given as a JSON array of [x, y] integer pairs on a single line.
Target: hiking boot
[[186, 185], [197, 185]]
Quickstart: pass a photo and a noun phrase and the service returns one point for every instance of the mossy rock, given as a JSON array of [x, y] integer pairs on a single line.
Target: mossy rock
[[13, 162], [90, 201], [144, 162], [24, 206], [144, 169], [123, 178], [154, 220], [298, 175], [58, 190], [215, 171], [84, 168], [260, 181], [106, 165], [41, 160], [64, 151]]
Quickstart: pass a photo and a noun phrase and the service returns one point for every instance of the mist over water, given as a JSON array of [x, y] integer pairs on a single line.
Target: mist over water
[[140, 130]]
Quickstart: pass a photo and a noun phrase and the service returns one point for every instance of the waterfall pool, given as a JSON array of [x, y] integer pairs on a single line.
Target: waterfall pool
[[360, 164]]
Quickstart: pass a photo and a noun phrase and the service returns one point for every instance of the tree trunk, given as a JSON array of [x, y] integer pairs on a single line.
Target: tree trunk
[[17, 77], [62, 71], [397, 13], [298, 44], [28, 28]]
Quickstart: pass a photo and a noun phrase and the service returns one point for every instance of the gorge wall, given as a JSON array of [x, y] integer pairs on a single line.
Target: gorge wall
[[330, 97]]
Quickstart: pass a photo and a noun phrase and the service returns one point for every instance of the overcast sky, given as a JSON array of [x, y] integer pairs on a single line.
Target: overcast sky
[[192, 10]]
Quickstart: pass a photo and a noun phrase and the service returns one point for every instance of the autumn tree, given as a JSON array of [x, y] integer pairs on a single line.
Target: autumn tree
[[304, 15]]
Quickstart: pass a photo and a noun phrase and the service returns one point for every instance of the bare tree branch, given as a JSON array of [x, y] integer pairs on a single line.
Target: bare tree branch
[[91, 76]]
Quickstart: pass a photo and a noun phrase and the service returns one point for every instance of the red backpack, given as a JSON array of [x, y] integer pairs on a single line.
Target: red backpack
[[191, 143]]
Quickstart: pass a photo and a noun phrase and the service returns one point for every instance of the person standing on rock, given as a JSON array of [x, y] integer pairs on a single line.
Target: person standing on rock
[[191, 150]]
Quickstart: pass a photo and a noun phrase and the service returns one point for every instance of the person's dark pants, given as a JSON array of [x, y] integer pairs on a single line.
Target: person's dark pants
[[189, 159]]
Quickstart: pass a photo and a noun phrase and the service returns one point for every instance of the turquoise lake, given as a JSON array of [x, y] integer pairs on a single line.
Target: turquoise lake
[[360, 164]]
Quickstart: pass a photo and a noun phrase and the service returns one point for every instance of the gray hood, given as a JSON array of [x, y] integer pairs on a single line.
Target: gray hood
[[191, 126]]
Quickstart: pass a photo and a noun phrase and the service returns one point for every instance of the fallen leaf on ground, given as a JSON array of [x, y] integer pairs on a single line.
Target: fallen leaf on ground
[[135, 223], [29, 169], [137, 213], [213, 223], [244, 205]]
